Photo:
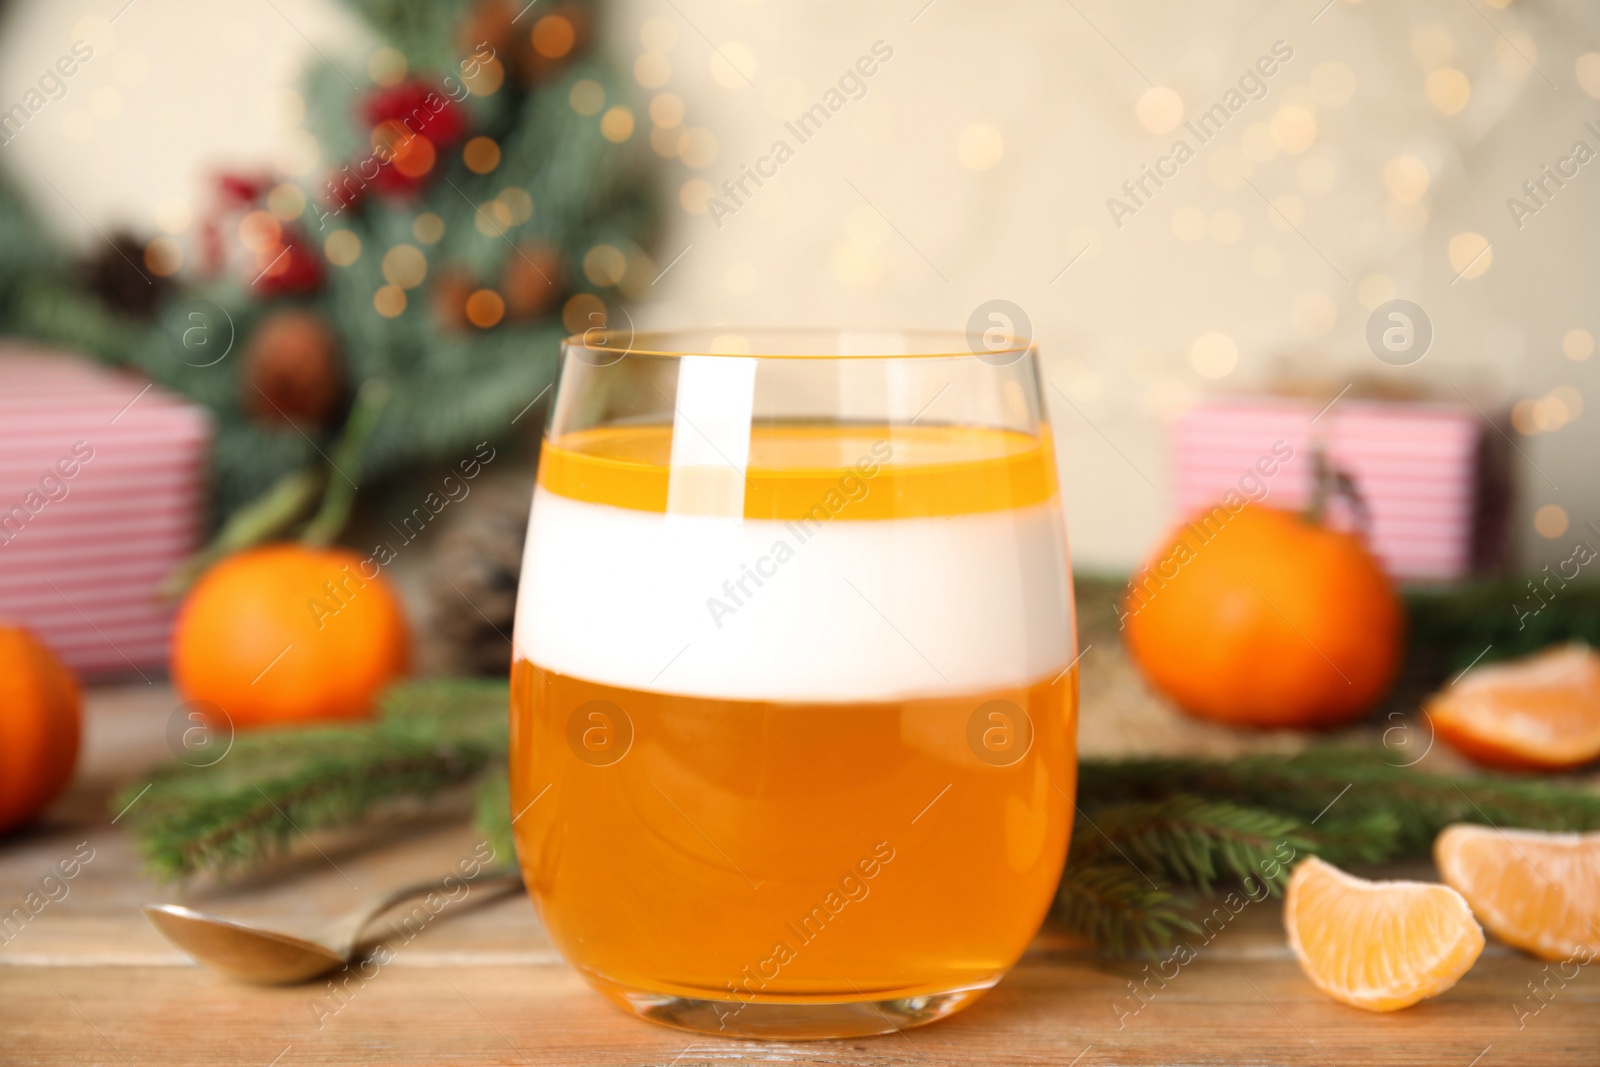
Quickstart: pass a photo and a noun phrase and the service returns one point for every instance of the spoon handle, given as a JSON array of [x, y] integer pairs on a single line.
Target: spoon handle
[[341, 936]]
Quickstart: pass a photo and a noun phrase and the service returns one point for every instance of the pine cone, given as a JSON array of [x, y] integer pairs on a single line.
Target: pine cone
[[532, 280], [117, 274], [292, 371], [472, 581], [447, 297]]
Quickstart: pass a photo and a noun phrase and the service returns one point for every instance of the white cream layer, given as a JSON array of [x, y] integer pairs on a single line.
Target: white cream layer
[[846, 610]]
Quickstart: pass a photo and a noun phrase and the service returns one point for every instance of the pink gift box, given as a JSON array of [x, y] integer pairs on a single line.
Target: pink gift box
[[101, 480], [1417, 466]]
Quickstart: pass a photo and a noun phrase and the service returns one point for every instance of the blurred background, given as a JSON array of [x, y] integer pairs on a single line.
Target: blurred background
[[1321, 160], [282, 286]]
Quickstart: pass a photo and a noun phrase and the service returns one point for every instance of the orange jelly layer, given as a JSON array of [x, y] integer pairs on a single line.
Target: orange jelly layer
[[911, 471], [766, 851]]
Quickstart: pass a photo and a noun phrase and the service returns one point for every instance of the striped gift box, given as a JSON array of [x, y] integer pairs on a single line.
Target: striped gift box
[[100, 497], [1416, 465]]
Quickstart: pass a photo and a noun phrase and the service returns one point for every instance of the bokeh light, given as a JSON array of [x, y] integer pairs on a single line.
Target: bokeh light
[[1406, 178], [286, 202], [1449, 90], [587, 97], [694, 196], [342, 248], [481, 155], [428, 228], [584, 311], [1550, 521], [163, 257], [405, 266], [616, 124], [666, 109], [652, 70], [387, 66], [1587, 69], [553, 36], [1159, 109], [604, 265], [1294, 129], [733, 65], [980, 146], [518, 203], [485, 308], [1213, 355], [389, 301], [1577, 344], [1470, 255]]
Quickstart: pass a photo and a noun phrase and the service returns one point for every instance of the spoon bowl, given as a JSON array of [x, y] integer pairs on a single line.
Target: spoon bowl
[[240, 950], [254, 953]]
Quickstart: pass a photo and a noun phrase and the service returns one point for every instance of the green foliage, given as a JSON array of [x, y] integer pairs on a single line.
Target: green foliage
[[1155, 842], [1191, 828], [1350, 784], [450, 386], [1118, 909], [492, 814], [1450, 628], [1189, 840], [26, 248], [272, 786]]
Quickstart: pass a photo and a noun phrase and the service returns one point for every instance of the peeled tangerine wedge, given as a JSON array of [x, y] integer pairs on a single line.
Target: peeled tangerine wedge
[[1378, 945], [1541, 712], [1537, 891]]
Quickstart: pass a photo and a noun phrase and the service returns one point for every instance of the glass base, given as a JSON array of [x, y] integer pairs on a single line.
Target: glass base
[[805, 1019]]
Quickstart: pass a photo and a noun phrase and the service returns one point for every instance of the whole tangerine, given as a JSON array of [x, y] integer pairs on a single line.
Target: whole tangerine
[[1262, 617], [40, 726], [289, 633]]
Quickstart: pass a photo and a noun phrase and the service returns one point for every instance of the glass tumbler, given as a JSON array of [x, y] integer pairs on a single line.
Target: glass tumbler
[[793, 703]]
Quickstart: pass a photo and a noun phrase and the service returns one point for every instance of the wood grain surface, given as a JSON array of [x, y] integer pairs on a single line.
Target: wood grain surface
[[87, 981]]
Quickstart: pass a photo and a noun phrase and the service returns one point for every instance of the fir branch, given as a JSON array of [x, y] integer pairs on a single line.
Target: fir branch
[[1198, 824], [1118, 909], [1158, 838], [1193, 841], [271, 787], [1346, 784], [1449, 629], [1364, 837]]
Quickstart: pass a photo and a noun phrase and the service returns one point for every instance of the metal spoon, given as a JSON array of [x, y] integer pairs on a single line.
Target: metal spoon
[[255, 954]]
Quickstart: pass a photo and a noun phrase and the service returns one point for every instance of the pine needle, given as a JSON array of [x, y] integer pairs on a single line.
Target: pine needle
[[1205, 826], [1193, 841], [1118, 909], [274, 786]]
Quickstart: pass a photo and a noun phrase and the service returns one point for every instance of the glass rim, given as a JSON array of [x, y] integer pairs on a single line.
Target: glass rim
[[796, 343]]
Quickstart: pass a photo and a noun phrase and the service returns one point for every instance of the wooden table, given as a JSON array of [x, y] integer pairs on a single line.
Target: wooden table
[[88, 981]]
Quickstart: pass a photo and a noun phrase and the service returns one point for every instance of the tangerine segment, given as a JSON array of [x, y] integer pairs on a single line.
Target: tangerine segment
[[1537, 891], [1539, 712], [1378, 945]]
